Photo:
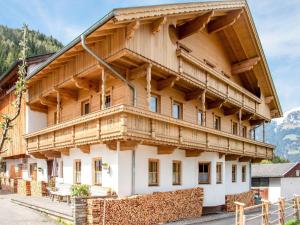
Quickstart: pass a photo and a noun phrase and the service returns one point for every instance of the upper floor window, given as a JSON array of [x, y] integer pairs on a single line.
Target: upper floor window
[[33, 171], [219, 172], [176, 172], [234, 128], [204, 173], [77, 172], [97, 171], [153, 172], [85, 107], [107, 101], [199, 117], [244, 170], [177, 110], [154, 103], [244, 131], [217, 123], [233, 173]]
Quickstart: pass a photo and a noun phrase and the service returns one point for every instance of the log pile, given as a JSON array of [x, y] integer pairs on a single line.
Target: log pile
[[154, 208], [245, 197], [24, 187], [38, 188], [9, 184]]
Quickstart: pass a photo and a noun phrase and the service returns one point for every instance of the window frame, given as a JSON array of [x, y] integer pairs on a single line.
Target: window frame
[[180, 116], [94, 171], [75, 178], [221, 173], [158, 103], [244, 173], [209, 172], [234, 128], [108, 95], [83, 103], [179, 172], [234, 178], [219, 123], [244, 131], [157, 172], [199, 120]]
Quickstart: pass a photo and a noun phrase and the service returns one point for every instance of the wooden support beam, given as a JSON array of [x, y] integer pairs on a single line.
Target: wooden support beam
[[196, 94], [41, 108], [65, 151], [38, 155], [221, 155], [224, 21], [245, 159], [93, 39], [148, 79], [86, 84], [193, 152], [157, 24], [52, 154], [203, 104], [165, 150], [247, 117], [67, 93], [216, 104], [193, 26], [103, 89], [169, 82], [85, 148], [256, 122], [124, 145], [230, 157], [244, 66], [231, 111], [257, 160], [131, 28], [138, 72], [48, 102], [269, 99]]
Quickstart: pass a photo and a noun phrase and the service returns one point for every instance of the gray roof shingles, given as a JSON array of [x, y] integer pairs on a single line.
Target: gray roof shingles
[[271, 170]]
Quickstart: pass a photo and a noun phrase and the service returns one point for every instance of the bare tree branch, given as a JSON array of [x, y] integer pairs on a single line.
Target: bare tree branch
[[20, 87]]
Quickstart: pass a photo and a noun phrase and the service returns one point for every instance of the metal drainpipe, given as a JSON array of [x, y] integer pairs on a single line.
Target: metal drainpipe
[[107, 66]]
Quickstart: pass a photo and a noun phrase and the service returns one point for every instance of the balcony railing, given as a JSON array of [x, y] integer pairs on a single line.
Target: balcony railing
[[124, 122]]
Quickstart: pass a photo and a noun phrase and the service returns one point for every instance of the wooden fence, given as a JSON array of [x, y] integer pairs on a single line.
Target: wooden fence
[[268, 213]]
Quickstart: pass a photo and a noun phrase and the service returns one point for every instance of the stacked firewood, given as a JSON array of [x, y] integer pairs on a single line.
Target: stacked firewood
[[245, 197]]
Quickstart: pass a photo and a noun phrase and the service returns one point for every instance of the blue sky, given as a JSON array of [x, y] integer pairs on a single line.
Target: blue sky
[[277, 22]]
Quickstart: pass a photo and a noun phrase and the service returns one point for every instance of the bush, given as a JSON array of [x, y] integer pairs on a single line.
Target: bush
[[80, 190], [293, 222]]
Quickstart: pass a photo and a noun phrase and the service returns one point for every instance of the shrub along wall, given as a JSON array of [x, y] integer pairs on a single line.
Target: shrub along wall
[[245, 197], [154, 208]]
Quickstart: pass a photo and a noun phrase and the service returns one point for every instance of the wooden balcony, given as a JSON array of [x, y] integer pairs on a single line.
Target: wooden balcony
[[130, 124]]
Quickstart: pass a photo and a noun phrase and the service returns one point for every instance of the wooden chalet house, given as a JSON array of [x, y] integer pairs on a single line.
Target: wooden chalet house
[[16, 163], [156, 98]]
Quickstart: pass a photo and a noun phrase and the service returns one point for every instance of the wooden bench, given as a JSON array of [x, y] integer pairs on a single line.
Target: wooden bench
[[61, 192]]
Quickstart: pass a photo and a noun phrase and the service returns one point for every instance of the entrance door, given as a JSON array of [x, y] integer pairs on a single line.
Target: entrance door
[[33, 171], [49, 168], [12, 171]]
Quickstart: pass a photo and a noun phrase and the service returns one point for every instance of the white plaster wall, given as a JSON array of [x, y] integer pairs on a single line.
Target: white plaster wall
[[274, 189], [214, 194], [290, 186], [34, 120], [238, 186]]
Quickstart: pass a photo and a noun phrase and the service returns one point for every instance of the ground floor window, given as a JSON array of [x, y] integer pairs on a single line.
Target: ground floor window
[[233, 173], [3, 167], [219, 172], [153, 172], [33, 171], [260, 182], [19, 172], [77, 171], [244, 170], [97, 171], [204, 173], [176, 172]]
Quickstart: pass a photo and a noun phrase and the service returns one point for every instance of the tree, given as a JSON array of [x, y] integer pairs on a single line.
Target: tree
[[20, 89], [276, 159]]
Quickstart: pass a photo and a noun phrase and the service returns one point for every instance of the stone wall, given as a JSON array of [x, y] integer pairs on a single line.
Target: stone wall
[[245, 197], [24, 187], [154, 208], [38, 188]]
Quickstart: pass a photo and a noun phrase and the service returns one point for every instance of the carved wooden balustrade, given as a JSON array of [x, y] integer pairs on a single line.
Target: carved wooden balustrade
[[128, 123]]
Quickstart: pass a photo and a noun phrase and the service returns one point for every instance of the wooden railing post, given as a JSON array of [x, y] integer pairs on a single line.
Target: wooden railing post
[[296, 206], [281, 210], [265, 212], [239, 213]]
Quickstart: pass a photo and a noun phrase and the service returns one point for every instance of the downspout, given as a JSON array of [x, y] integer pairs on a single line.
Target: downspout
[[107, 66]]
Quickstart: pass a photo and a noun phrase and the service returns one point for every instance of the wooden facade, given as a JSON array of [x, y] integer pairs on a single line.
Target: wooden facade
[[205, 57]]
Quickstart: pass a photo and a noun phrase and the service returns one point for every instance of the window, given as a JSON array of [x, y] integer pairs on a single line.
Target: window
[[199, 117], [219, 173], [260, 182], [33, 171], [55, 118], [19, 172], [233, 173], [154, 103], [297, 173], [107, 101], [61, 169], [217, 122], [234, 128], [85, 107], [177, 110], [176, 172], [153, 172], [244, 131], [97, 171], [77, 171], [204, 173], [244, 169]]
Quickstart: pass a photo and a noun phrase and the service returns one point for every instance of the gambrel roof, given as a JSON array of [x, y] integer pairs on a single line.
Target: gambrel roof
[[231, 20]]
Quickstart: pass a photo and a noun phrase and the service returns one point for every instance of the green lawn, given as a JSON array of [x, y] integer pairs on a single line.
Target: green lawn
[[293, 222]]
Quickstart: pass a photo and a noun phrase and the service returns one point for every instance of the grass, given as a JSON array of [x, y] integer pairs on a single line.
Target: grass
[[293, 222]]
